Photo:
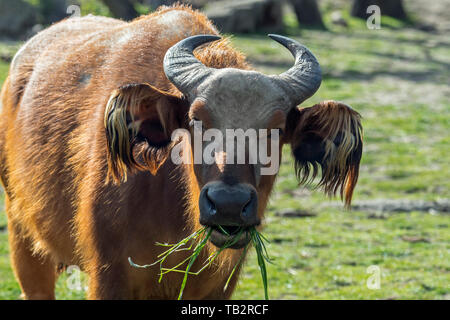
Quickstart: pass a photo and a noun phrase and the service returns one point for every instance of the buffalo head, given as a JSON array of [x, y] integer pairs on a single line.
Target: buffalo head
[[222, 111]]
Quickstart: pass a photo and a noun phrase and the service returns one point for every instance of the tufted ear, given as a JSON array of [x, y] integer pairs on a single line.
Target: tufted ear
[[139, 120], [327, 135]]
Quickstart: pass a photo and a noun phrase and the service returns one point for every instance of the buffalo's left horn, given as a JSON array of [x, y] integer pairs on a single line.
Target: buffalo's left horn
[[302, 80], [183, 69]]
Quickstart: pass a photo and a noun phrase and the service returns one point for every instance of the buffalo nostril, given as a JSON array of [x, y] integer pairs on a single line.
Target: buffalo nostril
[[211, 205], [247, 206], [249, 209]]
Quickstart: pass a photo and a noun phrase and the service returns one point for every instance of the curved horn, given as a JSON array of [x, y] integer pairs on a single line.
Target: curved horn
[[302, 80], [182, 68]]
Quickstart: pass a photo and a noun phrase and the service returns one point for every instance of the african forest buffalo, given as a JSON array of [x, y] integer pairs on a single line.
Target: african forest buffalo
[[88, 112]]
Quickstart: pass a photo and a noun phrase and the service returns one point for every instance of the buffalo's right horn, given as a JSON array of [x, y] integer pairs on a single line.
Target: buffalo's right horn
[[183, 69]]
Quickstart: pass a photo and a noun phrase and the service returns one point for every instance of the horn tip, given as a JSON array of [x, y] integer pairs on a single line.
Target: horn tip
[[192, 42], [277, 37]]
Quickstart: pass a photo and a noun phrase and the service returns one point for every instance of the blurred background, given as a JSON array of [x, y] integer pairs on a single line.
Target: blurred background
[[392, 64]]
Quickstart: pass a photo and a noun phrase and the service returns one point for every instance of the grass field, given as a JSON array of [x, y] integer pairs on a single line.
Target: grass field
[[397, 78]]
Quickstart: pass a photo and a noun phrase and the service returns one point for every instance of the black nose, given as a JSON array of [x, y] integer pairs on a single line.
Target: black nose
[[225, 205]]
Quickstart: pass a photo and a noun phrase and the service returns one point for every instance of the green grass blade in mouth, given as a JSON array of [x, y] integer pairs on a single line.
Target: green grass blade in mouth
[[235, 267], [194, 256], [176, 247], [197, 241], [262, 257], [223, 230]]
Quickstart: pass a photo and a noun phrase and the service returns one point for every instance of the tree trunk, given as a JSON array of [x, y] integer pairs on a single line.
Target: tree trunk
[[307, 12], [122, 9], [392, 8]]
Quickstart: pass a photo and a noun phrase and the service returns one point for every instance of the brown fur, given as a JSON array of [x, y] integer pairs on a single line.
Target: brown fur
[[64, 134]]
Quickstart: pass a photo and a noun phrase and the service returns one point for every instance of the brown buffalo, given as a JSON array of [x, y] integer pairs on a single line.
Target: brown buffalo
[[88, 110]]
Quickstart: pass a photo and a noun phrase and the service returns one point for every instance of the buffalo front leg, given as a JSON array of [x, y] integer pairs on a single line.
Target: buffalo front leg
[[108, 283], [35, 273]]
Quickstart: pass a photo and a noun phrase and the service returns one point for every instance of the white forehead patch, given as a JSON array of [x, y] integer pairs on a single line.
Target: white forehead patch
[[241, 99]]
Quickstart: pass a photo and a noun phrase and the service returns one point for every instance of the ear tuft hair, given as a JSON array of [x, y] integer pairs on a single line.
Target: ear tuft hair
[[329, 137], [119, 135], [138, 120]]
